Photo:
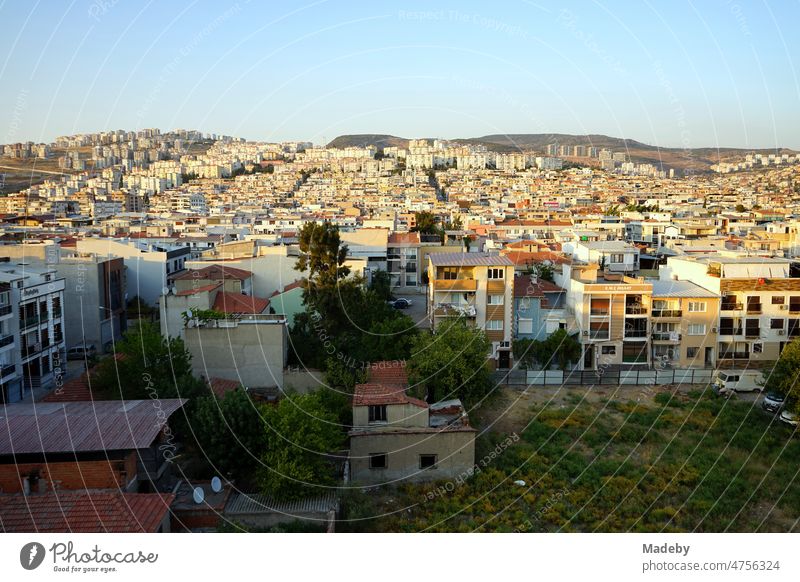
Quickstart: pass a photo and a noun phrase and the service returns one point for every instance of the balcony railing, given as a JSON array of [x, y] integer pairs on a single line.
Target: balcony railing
[[734, 356], [666, 336], [30, 322], [598, 312], [667, 313], [5, 310], [7, 370], [752, 332], [794, 308], [635, 309], [6, 340], [635, 333], [753, 308], [599, 334], [730, 306], [730, 331], [640, 358]]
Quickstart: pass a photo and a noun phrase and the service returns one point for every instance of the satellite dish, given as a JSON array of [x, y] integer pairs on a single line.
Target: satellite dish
[[198, 495], [164, 290], [216, 484], [520, 483]]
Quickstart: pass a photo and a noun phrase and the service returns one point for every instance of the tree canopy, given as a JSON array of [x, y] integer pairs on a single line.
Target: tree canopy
[[785, 375], [452, 363]]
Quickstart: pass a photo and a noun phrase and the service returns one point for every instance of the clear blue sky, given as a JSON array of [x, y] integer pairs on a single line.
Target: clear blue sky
[[680, 74]]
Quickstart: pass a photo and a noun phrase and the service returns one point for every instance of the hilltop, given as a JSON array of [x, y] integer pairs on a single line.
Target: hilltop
[[698, 160]]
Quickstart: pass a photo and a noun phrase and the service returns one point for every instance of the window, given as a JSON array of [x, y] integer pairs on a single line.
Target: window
[[608, 350], [494, 325], [599, 306], [617, 258], [377, 413], [427, 461], [697, 329], [496, 273], [778, 299], [525, 325], [697, 306], [377, 460], [495, 300], [776, 324], [758, 348], [691, 352], [449, 273]]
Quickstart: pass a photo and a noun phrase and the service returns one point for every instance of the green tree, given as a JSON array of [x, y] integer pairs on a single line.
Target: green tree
[[426, 223], [544, 271], [390, 339], [562, 348], [229, 432], [740, 208], [784, 376], [381, 284], [452, 363], [301, 432], [147, 366], [323, 255]]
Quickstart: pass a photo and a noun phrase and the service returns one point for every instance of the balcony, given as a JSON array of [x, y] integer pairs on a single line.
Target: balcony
[[753, 308], [411, 268], [667, 313], [666, 336], [734, 356], [730, 331], [599, 334], [635, 310], [752, 333], [7, 370], [599, 312], [5, 310], [455, 285], [635, 334], [6, 340], [29, 322], [730, 306], [454, 310], [794, 308]]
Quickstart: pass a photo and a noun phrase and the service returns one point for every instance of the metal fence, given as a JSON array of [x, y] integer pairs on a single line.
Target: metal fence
[[605, 377]]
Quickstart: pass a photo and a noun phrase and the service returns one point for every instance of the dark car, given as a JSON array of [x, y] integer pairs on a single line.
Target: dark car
[[401, 303], [773, 402]]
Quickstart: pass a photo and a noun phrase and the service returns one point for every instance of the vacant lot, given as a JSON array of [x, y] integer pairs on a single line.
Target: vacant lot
[[667, 462]]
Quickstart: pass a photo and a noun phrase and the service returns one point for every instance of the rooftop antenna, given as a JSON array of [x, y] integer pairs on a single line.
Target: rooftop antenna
[[198, 495], [216, 484]]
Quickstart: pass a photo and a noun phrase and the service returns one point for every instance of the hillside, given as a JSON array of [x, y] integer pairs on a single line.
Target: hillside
[[696, 160]]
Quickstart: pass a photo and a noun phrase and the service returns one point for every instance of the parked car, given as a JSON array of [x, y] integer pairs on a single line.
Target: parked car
[[728, 381], [773, 402], [82, 352], [401, 303], [790, 418]]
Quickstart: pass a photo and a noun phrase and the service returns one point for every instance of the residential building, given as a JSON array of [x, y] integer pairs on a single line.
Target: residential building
[[478, 287], [538, 308], [396, 437]]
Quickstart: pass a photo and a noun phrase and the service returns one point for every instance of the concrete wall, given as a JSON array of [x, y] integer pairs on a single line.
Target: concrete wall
[[405, 415], [253, 354], [455, 452]]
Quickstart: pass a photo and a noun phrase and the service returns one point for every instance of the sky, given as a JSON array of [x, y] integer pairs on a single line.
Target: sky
[[712, 73]]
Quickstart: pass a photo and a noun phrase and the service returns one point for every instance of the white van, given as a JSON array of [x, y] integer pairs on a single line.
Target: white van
[[729, 381]]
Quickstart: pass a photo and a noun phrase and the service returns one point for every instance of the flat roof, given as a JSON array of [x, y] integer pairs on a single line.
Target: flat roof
[[670, 288], [469, 259]]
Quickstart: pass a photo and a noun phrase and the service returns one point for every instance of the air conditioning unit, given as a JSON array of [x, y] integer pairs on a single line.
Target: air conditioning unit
[[784, 307], [781, 332], [586, 333], [713, 330]]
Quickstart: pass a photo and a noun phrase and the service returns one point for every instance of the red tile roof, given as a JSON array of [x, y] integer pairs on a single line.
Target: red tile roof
[[525, 287], [220, 386], [388, 372], [84, 512], [75, 390], [289, 287], [238, 303], [201, 289], [376, 394], [216, 273], [404, 238]]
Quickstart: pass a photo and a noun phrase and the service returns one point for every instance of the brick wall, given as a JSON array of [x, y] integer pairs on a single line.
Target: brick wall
[[71, 475]]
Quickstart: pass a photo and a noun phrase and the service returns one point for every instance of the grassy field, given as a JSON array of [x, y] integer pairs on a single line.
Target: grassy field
[[673, 462]]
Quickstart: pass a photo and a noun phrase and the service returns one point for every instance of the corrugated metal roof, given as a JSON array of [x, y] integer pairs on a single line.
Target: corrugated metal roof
[[242, 503], [63, 427], [680, 289], [469, 259]]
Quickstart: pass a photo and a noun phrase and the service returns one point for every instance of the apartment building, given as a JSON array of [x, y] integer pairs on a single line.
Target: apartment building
[[612, 315], [403, 260], [478, 287], [759, 304], [615, 255], [35, 324], [684, 325]]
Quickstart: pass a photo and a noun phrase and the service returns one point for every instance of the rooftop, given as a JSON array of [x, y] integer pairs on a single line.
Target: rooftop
[[378, 394], [469, 260], [670, 288]]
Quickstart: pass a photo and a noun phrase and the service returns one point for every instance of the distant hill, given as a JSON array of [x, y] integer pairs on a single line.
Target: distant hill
[[367, 139], [698, 160]]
